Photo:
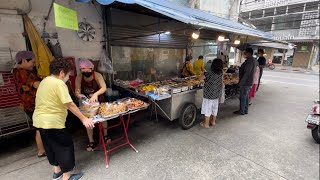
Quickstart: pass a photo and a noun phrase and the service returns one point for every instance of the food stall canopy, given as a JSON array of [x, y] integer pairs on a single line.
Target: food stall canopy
[[193, 16], [274, 45]]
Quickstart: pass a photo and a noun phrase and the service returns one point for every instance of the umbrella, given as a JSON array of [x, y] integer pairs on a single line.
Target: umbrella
[[39, 48]]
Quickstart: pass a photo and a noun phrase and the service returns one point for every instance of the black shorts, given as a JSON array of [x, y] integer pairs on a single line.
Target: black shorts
[[58, 145]]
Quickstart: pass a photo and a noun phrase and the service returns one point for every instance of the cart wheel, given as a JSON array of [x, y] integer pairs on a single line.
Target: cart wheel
[[188, 116]]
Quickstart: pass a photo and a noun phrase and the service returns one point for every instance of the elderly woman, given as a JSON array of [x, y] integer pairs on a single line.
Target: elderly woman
[[27, 84], [52, 102], [211, 93], [92, 85]]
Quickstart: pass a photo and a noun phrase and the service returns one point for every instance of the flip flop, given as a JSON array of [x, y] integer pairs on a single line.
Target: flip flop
[[212, 123], [202, 124], [91, 146], [42, 155]]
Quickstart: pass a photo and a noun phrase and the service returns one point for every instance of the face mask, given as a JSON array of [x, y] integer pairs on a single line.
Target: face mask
[[66, 78], [87, 74]]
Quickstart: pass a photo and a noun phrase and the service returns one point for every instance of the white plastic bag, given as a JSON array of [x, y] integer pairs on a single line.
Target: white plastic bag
[[223, 95], [105, 65], [88, 109]]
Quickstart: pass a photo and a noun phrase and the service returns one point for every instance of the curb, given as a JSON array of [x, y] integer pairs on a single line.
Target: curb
[[295, 71]]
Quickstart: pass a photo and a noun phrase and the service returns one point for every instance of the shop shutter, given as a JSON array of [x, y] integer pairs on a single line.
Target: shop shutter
[[122, 36]]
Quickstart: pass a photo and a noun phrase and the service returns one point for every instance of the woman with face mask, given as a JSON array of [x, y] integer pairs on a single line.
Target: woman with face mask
[[92, 85]]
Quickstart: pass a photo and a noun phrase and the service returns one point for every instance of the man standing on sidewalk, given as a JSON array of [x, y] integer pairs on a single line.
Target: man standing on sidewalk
[[246, 75], [262, 63]]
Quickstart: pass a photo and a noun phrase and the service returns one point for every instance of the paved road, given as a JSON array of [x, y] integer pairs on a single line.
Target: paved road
[[271, 142], [297, 79]]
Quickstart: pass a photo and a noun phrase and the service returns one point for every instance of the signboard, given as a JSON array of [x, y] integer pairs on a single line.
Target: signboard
[[275, 3], [284, 37], [65, 17]]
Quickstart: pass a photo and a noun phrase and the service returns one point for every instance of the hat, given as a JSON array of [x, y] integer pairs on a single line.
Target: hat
[[24, 55], [83, 64]]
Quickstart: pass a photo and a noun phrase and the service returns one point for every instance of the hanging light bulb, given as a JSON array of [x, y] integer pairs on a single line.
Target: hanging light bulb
[[221, 38], [237, 41], [196, 34]]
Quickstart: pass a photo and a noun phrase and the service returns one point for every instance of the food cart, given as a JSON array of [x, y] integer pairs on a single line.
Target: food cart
[[176, 102], [152, 38], [182, 106]]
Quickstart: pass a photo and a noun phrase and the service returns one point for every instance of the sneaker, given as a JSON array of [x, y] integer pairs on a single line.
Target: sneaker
[[77, 176], [57, 176]]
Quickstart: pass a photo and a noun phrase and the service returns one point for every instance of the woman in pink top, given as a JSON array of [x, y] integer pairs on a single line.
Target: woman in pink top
[[254, 86]]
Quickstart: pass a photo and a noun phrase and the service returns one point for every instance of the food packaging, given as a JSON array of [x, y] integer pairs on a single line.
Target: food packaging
[[89, 109]]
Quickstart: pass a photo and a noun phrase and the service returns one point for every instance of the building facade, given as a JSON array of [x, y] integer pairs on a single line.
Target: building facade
[[294, 21]]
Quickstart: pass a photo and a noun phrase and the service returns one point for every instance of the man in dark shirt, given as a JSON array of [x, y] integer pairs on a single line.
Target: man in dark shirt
[[246, 75], [262, 63]]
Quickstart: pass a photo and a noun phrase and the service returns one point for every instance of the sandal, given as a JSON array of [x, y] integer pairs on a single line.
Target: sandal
[[202, 124], [91, 146], [107, 139], [42, 155], [212, 124]]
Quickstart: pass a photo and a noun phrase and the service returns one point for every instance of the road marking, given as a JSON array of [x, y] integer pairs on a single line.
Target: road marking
[[290, 78], [290, 83]]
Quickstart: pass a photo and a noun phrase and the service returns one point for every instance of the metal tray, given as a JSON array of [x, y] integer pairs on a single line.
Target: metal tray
[[176, 90], [184, 88]]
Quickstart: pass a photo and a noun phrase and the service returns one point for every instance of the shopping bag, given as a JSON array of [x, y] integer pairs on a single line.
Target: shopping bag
[[105, 65], [223, 95]]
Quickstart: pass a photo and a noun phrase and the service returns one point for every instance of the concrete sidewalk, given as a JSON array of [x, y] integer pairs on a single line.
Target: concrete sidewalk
[[314, 70], [272, 142]]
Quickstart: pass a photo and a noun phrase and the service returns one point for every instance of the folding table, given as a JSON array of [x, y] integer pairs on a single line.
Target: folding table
[[125, 137]]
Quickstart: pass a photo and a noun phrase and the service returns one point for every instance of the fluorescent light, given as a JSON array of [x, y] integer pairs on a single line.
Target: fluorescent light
[[237, 41], [221, 38], [196, 34], [167, 33]]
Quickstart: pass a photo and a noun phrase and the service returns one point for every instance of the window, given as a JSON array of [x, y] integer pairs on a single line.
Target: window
[[304, 48], [281, 10], [311, 6], [264, 24], [295, 8], [256, 14], [269, 12], [244, 15], [292, 21]]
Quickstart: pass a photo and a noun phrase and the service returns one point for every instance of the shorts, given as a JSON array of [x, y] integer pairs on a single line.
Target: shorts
[[252, 92], [210, 107], [58, 145]]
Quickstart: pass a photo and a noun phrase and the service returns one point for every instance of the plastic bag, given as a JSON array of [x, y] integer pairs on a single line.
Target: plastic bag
[[223, 95], [88, 109], [105, 65]]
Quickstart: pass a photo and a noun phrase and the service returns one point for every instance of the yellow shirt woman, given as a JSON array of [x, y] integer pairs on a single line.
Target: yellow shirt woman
[[198, 67], [187, 70]]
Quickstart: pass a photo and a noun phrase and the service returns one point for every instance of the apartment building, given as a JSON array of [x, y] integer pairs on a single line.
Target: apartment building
[[295, 21]]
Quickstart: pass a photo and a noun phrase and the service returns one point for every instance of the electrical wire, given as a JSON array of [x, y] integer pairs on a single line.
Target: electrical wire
[[97, 9]]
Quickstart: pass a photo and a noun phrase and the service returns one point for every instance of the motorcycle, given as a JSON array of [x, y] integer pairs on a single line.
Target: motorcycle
[[270, 65], [313, 121]]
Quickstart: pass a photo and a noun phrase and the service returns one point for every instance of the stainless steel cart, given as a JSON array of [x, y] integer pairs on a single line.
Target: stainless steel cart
[[182, 106]]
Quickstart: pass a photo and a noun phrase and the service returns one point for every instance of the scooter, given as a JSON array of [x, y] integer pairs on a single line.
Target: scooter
[[313, 121], [270, 65]]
